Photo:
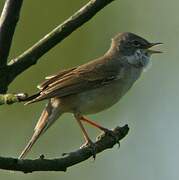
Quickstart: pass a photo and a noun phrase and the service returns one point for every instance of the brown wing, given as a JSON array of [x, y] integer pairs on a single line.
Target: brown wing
[[76, 80], [54, 77]]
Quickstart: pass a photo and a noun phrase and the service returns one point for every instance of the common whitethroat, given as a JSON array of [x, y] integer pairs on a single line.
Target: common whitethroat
[[92, 87]]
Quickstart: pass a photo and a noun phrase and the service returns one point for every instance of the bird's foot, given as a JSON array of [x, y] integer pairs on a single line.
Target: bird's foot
[[92, 147], [110, 133]]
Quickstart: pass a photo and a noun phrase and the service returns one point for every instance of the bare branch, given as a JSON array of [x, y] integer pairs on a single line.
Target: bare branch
[[105, 141], [30, 56], [16, 66], [8, 21]]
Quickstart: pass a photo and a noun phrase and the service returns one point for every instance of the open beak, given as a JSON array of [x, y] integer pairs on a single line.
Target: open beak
[[151, 51]]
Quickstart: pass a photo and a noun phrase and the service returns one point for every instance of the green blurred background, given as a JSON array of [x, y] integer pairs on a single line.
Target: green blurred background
[[151, 150]]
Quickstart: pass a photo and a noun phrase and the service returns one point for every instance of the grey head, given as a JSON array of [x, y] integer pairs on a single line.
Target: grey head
[[133, 49]]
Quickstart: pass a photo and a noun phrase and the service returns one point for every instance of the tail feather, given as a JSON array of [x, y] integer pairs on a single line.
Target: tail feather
[[49, 115], [30, 144]]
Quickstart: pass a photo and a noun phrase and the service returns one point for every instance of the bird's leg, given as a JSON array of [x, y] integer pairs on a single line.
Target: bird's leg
[[94, 124], [88, 141], [85, 134]]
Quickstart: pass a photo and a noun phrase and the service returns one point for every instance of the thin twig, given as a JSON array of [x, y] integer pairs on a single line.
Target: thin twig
[[12, 98], [105, 141], [30, 56], [8, 21]]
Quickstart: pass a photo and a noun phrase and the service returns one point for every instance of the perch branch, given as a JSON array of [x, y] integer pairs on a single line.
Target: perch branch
[[31, 55], [8, 73], [103, 142], [8, 21]]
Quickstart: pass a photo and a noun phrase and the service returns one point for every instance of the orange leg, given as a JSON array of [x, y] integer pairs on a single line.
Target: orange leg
[[94, 124], [85, 134], [88, 141], [107, 131]]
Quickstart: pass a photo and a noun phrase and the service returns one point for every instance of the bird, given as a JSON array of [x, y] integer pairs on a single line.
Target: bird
[[92, 87]]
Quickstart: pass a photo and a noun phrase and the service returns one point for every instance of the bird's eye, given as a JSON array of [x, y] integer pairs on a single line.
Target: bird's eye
[[136, 43]]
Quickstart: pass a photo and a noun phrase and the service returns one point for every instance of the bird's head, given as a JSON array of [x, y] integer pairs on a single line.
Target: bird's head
[[135, 49]]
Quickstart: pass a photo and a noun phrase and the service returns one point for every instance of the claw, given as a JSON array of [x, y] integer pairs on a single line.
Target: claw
[[109, 132], [92, 147]]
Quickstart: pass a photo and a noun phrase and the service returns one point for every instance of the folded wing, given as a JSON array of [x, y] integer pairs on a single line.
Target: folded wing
[[76, 80]]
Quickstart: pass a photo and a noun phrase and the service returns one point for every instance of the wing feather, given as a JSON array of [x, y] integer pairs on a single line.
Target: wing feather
[[52, 78], [76, 80]]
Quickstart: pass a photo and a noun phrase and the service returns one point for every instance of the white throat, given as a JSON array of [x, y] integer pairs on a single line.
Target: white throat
[[140, 57]]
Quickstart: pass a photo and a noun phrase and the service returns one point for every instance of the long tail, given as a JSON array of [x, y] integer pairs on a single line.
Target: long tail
[[51, 113]]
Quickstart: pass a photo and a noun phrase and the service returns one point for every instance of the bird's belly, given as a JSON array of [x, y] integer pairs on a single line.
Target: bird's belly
[[94, 101], [99, 99]]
